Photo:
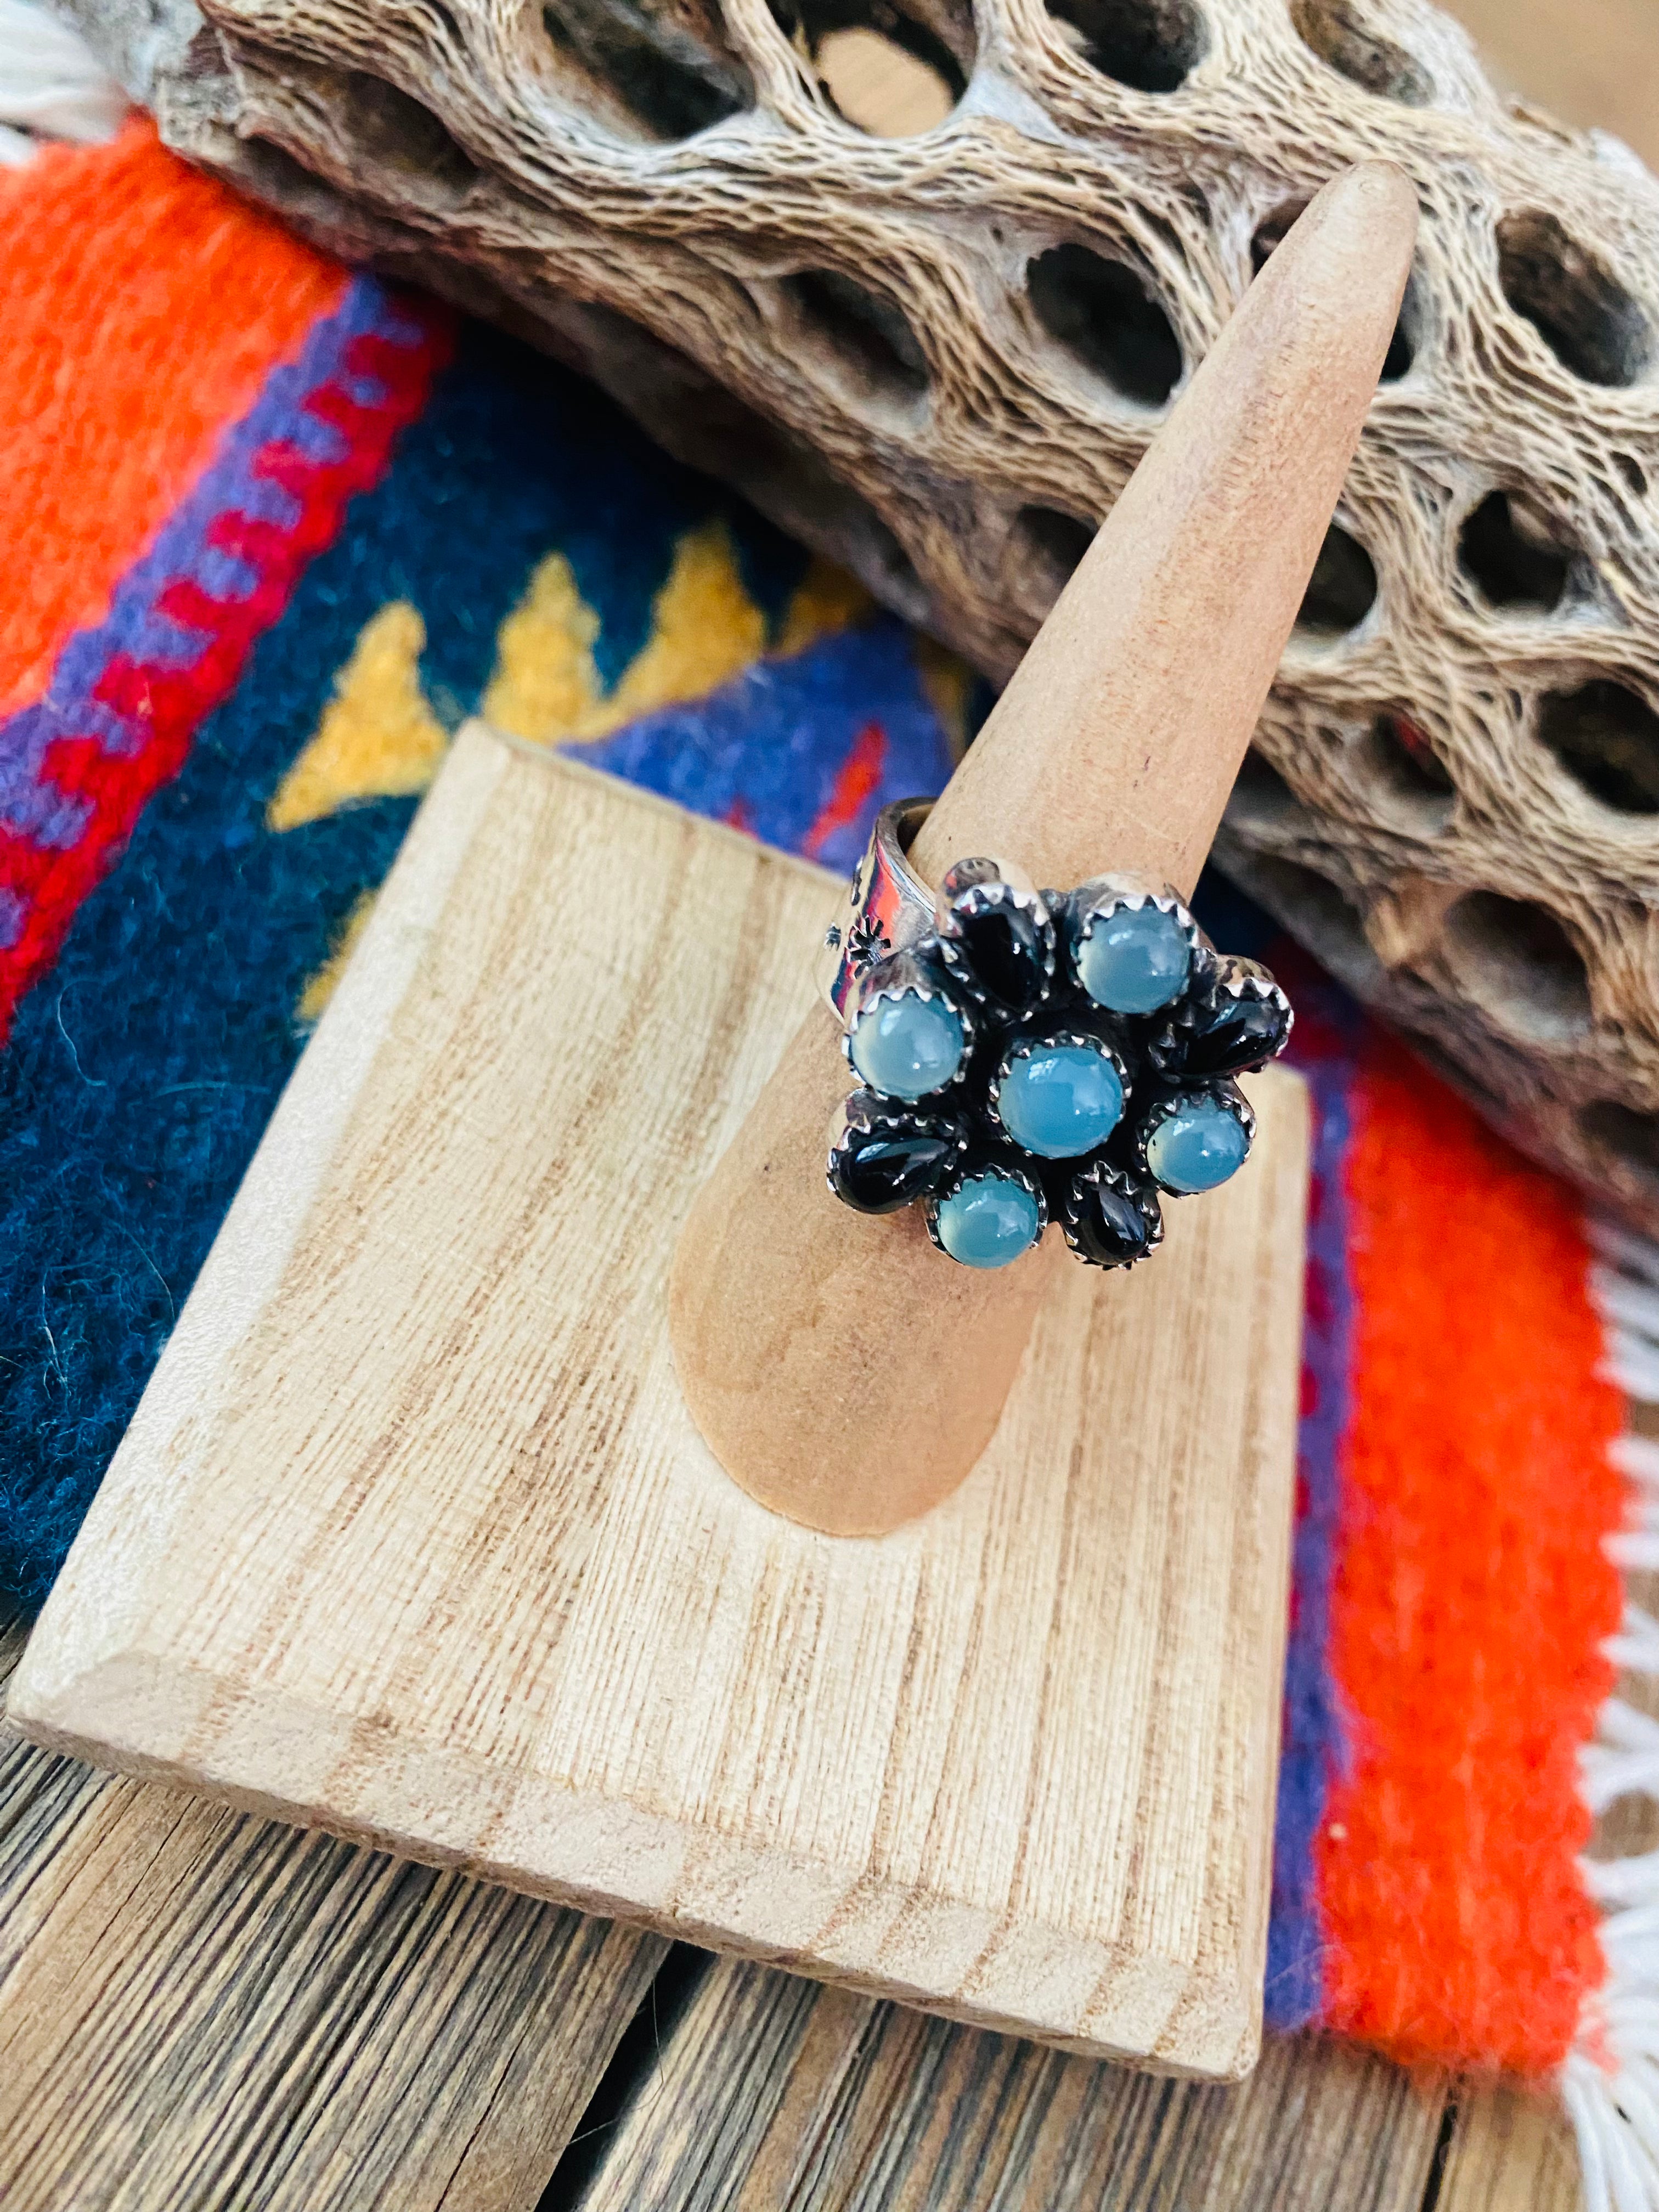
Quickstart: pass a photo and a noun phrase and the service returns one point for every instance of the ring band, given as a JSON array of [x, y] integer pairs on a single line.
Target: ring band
[[890, 907], [1023, 1057]]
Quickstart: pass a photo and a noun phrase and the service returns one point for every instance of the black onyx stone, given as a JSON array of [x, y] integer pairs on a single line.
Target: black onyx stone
[[1111, 1226], [1007, 951], [890, 1163], [1224, 1038]]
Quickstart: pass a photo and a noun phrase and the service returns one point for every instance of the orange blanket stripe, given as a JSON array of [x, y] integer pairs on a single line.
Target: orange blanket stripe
[[121, 369], [1471, 1597]]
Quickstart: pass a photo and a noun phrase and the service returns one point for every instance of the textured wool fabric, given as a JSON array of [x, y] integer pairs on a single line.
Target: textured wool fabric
[[1472, 1594], [126, 693], [120, 369], [289, 549], [142, 1072]]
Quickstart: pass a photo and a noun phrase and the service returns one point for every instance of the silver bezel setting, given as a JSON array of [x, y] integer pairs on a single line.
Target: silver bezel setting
[[1105, 896], [1099, 1172], [1036, 1042], [969, 1171], [974, 898], [913, 980], [1223, 1088], [863, 1110], [1235, 979]]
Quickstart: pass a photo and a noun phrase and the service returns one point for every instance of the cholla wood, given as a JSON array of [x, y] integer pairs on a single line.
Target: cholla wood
[[412, 1535], [938, 356]]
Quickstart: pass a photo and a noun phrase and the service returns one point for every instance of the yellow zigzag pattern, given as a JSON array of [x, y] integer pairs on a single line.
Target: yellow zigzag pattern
[[379, 739]]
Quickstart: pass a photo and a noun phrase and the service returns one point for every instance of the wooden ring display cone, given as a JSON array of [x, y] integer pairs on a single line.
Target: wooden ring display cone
[[843, 1371]]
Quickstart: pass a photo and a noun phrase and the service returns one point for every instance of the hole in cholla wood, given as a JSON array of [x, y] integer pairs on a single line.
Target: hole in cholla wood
[[663, 72], [1627, 1139], [1105, 315], [1511, 558], [867, 335], [1044, 547], [1260, 799], [1342, 590], [1341, 37], [401, 134], [1607, 737], [1518, 963], [892, 70], [1152, 45], [880, 87], [1306, 898], [1580, 309], [1405, 774]]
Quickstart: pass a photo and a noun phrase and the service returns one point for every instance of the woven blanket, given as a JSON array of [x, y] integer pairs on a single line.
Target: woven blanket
[[275, 529]]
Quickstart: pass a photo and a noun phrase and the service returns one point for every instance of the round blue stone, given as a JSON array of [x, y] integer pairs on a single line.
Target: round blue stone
[[1134, 960], [906, 1047], [1197, 1147], [1060, 1100], [989, 1221]]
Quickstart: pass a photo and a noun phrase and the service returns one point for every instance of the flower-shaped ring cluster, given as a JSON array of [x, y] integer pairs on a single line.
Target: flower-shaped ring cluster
[[1044, 1056]]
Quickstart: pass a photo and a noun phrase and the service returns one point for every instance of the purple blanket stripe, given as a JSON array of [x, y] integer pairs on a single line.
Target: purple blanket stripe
[[31, 804], [1323, 1049]]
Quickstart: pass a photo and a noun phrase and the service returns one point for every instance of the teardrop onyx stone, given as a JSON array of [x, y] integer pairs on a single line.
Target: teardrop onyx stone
[[1225, 1038], [1111, 1227], [1006, 950], [890, 1162]]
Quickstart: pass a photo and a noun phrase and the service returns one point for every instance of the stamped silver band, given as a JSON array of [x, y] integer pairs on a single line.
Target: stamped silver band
[[888, 907]]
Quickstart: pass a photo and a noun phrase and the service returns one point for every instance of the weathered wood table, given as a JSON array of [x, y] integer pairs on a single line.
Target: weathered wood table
[[204, 2012]]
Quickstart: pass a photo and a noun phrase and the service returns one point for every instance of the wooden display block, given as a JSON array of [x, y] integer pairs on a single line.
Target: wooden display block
[[412, 1537]]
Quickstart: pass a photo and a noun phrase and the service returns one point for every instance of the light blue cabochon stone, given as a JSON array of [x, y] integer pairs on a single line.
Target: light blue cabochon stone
[[1197, 1147], [1134, 961], [906, 1047], [991, 1220], [1060, 1100]]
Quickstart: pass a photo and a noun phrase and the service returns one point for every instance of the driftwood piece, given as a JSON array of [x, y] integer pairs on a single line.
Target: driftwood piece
[[938, 356]]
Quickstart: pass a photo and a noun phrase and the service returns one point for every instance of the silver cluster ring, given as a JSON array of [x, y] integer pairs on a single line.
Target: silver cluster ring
[[1024, 1056]]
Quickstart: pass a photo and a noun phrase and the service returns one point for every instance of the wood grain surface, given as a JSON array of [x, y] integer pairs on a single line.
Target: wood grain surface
[[771, 2096], [412, 1535], [1510, 2150], [767, 2095], [201, 2012]]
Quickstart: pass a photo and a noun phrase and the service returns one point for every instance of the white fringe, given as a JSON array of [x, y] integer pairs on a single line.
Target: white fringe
[[1610, 2083], [52, 86]]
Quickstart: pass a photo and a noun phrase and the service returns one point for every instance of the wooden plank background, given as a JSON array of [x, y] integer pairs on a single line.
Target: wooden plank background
[[201, 2010]]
